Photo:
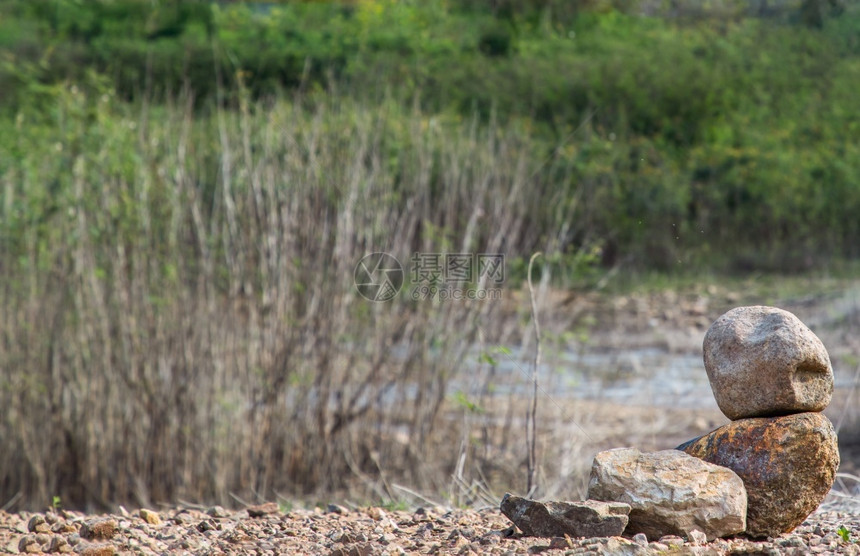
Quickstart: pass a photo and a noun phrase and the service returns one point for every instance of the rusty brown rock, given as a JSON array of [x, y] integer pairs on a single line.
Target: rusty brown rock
[[787, 464], [764, 362], [98, 549], [590, 518], [98, 529]]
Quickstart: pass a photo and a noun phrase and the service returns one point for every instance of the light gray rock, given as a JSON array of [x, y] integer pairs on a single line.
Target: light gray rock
[[763, 362], [557, 519], [697, 537], [670, 492]]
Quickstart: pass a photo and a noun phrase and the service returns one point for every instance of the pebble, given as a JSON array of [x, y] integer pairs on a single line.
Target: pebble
[[150, 516], [98, 529], [217, 511]]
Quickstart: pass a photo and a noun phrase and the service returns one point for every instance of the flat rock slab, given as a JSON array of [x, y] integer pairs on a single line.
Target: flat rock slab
[[787, 464], [557, 519], [764, 362], [670, 492]]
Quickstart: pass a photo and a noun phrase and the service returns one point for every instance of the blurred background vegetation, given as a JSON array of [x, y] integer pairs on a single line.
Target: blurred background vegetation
[[185, 188], [720, 134]]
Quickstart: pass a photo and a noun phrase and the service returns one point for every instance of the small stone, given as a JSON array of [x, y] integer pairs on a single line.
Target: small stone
[[389, 524], [217, 511], [377, 514], [618, 545], [353, 550], [764, 362], [387, 538], [350, 537], [64, 527], [101, 549], [38, 524], [493, 537], [98, 529], [640, 539], [29, 545], [59, 544], [560, 543], [182, 518], [459, 542], [261, 510], [423, 514], [336, 509], [670, 493], [590, 518], [672, 540], [788, 465], [697, 537], [791, 542], [150, 516]]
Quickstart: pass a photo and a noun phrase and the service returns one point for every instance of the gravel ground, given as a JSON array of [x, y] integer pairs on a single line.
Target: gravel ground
[[369, 531]]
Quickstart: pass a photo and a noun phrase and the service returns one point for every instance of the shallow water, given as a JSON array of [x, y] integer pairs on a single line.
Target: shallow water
[[647, 376]]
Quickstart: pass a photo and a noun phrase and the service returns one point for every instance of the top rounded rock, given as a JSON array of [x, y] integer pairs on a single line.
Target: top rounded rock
[[763, 362]]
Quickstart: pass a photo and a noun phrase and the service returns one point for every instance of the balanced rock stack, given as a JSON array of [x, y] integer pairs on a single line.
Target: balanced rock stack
[[772, 377], [762, 474]]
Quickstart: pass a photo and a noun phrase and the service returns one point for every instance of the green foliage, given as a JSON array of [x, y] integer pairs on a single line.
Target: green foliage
[[462, 401], [722, 136], [844, 532], [394, 505], [489, 356]]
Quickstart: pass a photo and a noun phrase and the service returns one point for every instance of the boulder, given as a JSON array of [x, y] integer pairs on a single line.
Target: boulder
[[670, 493], [787, 464], [764, 362], [557, 519]]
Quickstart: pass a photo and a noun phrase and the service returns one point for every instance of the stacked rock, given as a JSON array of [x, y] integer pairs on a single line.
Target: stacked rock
[[771, 375], [762, 474]]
